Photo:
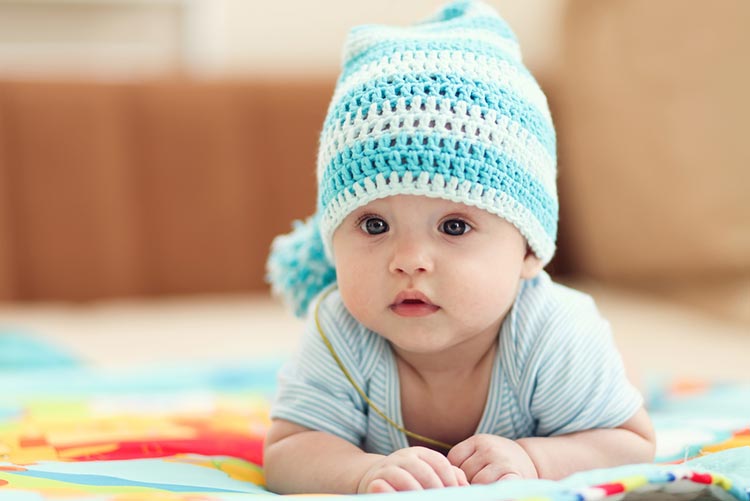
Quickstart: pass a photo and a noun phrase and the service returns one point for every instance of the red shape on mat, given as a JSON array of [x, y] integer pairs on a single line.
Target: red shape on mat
[[612, 488], [207, 439], [235, 446], [702, 478]]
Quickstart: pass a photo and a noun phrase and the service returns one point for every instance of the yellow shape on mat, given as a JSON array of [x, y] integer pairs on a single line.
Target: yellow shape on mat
[[632, 483], [29, 455]]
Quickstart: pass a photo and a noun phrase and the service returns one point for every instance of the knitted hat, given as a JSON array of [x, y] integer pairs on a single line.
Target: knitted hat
[[444, 108]]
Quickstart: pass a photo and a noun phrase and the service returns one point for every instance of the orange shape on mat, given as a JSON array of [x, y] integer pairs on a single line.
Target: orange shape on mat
[[86, 451], [739, 440], [688, 387]]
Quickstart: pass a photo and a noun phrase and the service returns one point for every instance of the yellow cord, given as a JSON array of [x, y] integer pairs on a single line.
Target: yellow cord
[[403, 430]]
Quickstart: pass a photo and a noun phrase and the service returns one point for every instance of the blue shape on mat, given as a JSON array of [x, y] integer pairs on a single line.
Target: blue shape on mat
[[102, 480], [19, 350], [150, 471], [729, 462]]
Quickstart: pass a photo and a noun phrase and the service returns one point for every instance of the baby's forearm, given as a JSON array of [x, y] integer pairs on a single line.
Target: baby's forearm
[[314, 461], [558, 457]]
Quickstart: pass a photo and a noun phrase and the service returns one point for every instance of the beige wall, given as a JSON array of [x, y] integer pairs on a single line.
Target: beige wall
[[240, 37], [299, 35]]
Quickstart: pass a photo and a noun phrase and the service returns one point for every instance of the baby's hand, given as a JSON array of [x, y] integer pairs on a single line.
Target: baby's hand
[[414, 468], [488, 458]]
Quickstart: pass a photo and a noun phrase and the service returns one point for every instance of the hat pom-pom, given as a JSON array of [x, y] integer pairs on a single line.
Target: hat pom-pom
[[297, 267]]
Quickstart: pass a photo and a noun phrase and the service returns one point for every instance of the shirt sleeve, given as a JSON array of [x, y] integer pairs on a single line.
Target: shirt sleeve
[[578, 377], [313, 391]]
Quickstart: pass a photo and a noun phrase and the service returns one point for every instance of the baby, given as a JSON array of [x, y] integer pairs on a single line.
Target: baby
[[437, 351]]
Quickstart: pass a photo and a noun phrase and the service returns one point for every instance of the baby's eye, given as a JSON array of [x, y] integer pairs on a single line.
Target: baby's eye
[[455, 227], [374, 226]]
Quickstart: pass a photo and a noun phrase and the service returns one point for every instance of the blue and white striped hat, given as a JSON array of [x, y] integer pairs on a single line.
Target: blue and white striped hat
[[444, 108]]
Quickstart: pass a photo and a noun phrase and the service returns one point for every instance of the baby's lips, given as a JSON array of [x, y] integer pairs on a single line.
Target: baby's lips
[[412, 295]]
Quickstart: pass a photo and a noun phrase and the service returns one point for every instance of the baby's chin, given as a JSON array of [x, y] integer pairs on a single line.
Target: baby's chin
[[423, 340]]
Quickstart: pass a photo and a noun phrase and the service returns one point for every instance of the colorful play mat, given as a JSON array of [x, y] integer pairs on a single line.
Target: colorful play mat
[[189, 433]]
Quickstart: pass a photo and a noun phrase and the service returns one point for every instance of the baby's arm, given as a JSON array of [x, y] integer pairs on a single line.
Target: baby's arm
[[300, 460], [559, 456]]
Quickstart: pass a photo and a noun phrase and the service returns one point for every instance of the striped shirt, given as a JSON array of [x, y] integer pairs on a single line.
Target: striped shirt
[[557, 371]]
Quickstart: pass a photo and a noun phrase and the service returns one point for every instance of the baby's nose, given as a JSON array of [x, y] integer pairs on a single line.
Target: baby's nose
[[411, 257]]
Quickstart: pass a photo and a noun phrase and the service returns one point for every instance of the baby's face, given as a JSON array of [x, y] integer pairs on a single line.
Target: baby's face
[[429, 274]]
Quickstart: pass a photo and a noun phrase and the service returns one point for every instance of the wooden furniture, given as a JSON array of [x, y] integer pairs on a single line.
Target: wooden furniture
[[150, 188]]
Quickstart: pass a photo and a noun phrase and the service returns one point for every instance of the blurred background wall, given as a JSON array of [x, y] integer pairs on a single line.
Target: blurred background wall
[[152, 147], [218, 37], [155, 147]]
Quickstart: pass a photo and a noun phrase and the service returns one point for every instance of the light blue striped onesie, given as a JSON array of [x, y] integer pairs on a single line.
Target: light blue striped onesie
[[557, 371]]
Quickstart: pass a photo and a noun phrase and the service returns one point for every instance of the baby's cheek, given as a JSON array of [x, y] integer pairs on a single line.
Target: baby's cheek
[[358, 295], [491, 296]]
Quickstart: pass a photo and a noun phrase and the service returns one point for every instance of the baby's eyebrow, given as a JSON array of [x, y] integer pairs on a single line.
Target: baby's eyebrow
[[466, 210], [362, 211]]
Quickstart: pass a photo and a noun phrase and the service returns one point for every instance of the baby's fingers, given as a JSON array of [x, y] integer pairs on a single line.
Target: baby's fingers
[[462, 451], [395, 479], [460, 476], [492, 473], [441, 467], [472, 466], [379, 485]]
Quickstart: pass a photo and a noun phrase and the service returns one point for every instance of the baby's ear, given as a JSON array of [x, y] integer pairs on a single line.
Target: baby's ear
[[532, 265]]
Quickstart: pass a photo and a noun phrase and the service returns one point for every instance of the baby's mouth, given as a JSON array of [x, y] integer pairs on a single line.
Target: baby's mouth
[[413, 304]]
